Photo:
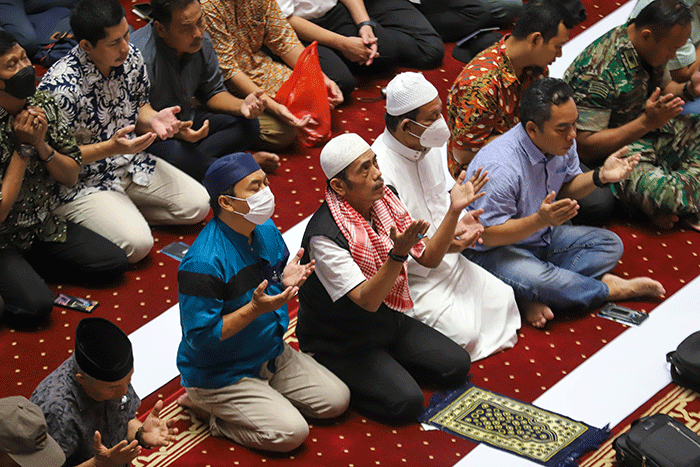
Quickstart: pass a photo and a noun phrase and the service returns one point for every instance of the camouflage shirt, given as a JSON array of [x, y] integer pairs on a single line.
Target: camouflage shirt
[[30, 217], [611, 83]]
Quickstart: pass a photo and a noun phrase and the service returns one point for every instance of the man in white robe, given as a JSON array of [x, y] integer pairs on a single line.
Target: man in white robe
[[458, 298]]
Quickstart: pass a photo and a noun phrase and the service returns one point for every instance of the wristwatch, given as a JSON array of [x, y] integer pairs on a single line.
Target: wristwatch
[[370, 23], [27, 151]]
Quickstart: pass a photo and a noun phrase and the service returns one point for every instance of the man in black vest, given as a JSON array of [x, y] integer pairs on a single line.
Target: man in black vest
[[351, 308]]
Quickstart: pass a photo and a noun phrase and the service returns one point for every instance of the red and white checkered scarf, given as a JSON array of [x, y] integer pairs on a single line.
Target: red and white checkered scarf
[[370, 248]]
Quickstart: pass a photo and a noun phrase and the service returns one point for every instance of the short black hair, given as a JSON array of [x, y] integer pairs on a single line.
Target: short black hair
[[661, 15], [537, 100], [89, 19], [214, 200], [162, 10], [539, 16], [392, 121], [7, 42]]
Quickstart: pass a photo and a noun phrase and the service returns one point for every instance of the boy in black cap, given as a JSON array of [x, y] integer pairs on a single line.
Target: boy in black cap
[[90, 405]]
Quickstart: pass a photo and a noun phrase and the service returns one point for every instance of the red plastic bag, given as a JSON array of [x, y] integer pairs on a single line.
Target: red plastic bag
[[304, 93]]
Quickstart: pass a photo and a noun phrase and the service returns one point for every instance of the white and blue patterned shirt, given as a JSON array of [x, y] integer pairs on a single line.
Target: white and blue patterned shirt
[[96, 106]]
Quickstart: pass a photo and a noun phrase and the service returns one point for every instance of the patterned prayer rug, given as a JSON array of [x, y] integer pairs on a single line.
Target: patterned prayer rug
[[483, 416]]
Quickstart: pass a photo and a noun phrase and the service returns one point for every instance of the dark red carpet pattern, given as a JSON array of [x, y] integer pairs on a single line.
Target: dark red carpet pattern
[[538, 361]]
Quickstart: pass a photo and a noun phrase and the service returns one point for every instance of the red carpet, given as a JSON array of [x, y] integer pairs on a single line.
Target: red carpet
[[538, 361]]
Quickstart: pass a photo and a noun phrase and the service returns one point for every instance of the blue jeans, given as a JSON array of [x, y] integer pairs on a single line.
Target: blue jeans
[[691, 108], [563, 275]]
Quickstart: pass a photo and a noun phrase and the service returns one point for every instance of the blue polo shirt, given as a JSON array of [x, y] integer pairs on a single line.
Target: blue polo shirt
[[218, 276], [520, 177]]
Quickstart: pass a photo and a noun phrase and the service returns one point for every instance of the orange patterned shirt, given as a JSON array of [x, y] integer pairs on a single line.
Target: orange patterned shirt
[[484, 101], [239, 29]]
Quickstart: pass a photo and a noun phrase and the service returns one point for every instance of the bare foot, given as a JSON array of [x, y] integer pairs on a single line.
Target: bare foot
[[623, 289], [185, 401], [267, 161], [665, 221], [535, 313]]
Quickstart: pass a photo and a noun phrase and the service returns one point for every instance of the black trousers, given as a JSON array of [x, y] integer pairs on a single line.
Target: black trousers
[[404, 38], [456, 19], [597, 208], [384, 382], [85, 257], [227, 134]]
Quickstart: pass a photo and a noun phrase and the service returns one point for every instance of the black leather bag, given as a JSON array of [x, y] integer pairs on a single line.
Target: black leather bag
[[658, 441], [685, 363]]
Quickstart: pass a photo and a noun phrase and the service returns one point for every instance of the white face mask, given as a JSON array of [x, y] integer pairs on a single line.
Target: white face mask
[[435, 135], [261, 205]]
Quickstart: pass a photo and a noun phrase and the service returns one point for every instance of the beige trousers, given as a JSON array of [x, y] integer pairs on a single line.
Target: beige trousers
[[172, 197], [266, 412]]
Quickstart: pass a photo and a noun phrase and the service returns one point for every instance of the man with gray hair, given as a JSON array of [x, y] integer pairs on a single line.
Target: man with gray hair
[[458, 298], [353, 307]]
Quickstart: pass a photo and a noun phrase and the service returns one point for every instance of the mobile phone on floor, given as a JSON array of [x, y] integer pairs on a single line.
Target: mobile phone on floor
[[622, 314], [76, 303]]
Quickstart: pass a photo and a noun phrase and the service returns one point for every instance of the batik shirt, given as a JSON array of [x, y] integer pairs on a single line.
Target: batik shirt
[[72, 417], [30, 217], [485, 101], [610, 82], [240, 28], [96, 106]]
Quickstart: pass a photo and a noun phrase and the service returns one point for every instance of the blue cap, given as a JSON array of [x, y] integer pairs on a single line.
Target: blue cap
[[228, 170]]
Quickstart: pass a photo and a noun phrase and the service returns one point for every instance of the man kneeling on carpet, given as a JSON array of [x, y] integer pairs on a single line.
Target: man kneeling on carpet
[[234, 285], [90, 405], [352, 308], [527, 241], [458, 298]]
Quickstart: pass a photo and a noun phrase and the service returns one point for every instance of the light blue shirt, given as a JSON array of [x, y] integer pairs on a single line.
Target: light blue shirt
[[520, 176]]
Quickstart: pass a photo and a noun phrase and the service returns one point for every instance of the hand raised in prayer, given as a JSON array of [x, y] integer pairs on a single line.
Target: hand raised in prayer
[[553, 213], [618, 166], [253, 105], [186, 132], [122, 453], [695, 83], [165, 123], [122, 144], [468, 231], [263, 303], [404, 241], [660, 109], [464, 193], [295, 274], [157, 432]]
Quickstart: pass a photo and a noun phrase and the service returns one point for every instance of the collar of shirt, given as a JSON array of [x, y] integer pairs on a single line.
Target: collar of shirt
[[171, 54], [631, 58], [533, 152], [92, 73], [404, 151]]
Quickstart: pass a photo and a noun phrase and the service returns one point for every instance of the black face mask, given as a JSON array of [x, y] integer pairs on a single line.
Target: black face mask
[[22, 84]]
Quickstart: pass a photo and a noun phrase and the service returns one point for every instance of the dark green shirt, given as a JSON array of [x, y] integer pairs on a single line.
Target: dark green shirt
[[610, 82], [30, 217]]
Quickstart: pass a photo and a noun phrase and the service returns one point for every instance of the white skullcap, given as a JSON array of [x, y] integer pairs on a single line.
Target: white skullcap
[[408, 91], [340, 152]]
